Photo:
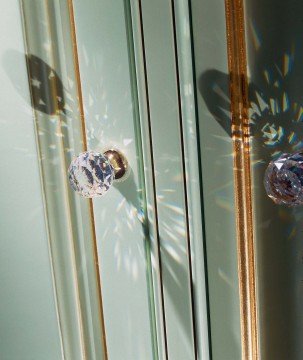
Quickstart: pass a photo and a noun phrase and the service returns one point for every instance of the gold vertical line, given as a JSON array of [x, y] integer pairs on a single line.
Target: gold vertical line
[[83, 129], [242, 175]]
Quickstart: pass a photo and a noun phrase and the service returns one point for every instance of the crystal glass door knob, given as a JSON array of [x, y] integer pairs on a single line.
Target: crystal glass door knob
[[284, 179], [91, 174]]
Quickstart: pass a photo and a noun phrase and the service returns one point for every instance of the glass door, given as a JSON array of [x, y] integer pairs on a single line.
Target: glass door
[[120, 276], [69, 68]]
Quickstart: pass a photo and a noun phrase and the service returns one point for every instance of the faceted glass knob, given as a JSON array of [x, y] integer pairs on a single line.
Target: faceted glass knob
[[91, 174], [283, 179]]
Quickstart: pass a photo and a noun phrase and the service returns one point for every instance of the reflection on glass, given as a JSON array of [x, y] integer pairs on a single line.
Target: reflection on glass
[[274, 39], [276, 118]]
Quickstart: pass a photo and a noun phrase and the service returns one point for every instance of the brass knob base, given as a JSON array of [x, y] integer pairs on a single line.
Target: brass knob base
[[119, 163]]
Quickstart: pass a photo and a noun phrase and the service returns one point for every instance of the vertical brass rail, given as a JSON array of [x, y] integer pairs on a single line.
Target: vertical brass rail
[[242, 175], [85, 148]]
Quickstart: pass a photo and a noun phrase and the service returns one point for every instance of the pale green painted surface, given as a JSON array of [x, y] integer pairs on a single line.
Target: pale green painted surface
[[28, 320]]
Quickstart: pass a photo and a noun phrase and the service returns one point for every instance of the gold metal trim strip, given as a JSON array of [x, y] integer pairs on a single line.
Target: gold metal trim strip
[[83, 128], [242, 175]]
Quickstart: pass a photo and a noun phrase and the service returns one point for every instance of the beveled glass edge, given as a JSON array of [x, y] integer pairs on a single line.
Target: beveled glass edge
[[145, 141], [192, 178]]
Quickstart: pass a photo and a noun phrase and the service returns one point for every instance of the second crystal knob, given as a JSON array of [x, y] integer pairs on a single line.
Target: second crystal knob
[[284, 179]]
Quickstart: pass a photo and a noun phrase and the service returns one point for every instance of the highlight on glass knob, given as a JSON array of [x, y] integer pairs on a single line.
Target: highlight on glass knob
[[91, 174], [283, 179]]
